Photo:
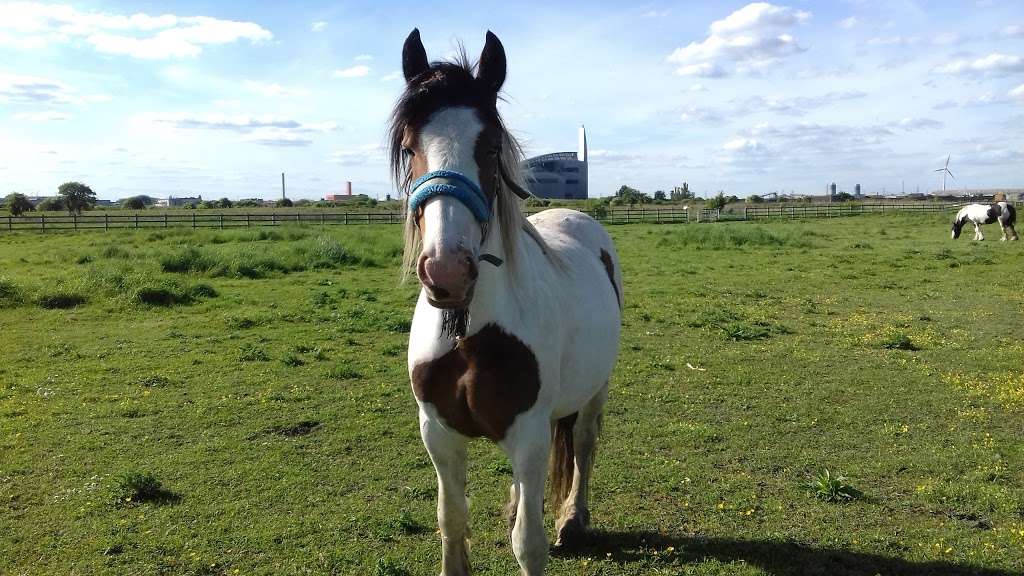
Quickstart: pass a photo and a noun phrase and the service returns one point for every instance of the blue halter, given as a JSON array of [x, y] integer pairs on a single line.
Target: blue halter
[[455, 185]]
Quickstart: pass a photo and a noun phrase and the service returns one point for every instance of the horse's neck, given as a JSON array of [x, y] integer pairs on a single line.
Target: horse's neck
[[499, 289]]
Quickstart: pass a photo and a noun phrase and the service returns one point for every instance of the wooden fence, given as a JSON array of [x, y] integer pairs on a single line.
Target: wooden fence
[[652, 215]]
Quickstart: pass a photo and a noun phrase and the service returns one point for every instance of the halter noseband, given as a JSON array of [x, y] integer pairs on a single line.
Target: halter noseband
[[452, 184]]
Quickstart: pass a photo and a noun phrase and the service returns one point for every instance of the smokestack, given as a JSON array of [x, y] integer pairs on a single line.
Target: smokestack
[[348, 188], [282, 186], [581, 154]]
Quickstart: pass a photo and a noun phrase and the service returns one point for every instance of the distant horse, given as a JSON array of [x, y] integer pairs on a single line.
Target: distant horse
[[979, 214], [517, 325]]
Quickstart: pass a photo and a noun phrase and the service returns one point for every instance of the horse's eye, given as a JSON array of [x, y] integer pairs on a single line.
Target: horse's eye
[[407, 152], [494, 151]]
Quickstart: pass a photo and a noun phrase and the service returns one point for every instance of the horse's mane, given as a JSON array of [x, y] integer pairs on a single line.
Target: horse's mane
[[448, 84]]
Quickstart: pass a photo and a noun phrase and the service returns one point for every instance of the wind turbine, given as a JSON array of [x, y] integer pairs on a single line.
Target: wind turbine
[[945, 170]]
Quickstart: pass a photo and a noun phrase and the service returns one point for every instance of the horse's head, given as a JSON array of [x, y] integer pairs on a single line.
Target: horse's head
[[958, 222], [446, 143]]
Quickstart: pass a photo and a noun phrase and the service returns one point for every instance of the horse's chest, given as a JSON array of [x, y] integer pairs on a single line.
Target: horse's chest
[[481, 385]]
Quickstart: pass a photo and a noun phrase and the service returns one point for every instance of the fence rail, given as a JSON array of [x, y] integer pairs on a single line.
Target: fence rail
[[673, 215]]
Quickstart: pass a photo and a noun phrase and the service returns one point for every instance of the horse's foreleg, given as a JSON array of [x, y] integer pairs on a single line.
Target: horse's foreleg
[[528, 451], [977, 232], [448, 452], [575, 514]]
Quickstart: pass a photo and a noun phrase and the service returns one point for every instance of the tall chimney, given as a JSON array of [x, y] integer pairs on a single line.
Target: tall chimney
[[581, 154], [348, 188]]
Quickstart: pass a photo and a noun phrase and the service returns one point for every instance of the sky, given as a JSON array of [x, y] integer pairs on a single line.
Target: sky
[[216, 99]]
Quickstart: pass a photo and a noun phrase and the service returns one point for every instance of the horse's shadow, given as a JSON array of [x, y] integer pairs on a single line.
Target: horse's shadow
[[778, 558]]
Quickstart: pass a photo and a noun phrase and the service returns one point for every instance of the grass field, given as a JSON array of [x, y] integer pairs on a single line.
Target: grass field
[[236, 402]]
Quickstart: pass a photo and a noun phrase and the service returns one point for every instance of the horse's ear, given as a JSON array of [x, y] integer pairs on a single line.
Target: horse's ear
[[414, 56], [492, 63]]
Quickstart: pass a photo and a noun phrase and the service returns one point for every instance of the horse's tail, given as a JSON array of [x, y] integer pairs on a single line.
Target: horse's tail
[[563, 457]]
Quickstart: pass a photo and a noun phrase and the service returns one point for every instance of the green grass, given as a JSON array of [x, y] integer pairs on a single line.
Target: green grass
[[258, 394]]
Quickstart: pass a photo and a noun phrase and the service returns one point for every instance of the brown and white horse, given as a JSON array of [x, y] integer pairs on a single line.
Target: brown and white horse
[[517, 325], [978, 214]]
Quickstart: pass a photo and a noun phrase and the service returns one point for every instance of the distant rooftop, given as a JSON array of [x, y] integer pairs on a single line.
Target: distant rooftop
[[554, 156]]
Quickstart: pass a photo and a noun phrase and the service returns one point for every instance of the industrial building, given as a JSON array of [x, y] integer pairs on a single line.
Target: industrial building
[[561, 175]]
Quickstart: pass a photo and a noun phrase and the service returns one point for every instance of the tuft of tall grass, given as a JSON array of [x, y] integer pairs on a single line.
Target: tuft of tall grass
[[11, 295], [730, 236]]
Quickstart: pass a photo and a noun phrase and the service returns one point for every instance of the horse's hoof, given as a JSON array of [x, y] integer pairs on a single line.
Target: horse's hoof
[[572, 534]]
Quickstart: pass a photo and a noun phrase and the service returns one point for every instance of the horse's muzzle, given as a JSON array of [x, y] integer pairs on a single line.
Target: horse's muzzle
[[448, 279]]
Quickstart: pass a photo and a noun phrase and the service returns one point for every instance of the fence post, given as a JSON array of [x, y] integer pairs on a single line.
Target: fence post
[[165, 219], [136, 220], [10, 223], [323, 219], [273, 218], [106, 221], [43, 222], [346, 217], [193, 220], [221, 220], [74, 218]]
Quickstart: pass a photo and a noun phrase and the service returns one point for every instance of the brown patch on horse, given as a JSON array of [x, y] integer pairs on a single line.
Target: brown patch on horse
[[609, 267], [994, 212], [481, 385]]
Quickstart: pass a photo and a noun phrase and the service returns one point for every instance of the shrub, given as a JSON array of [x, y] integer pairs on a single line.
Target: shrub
[[896, 340], [135, 488], [327, 252], [253, 353], [11, 295], [60, 299], [831, 488], [202, 290], [188, 260], [343, 372]]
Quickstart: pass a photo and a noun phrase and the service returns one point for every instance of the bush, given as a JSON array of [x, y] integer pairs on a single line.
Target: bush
[[11, 295], [831, 488], [60, 299], [135, 488], [52, 204], [283, 203]]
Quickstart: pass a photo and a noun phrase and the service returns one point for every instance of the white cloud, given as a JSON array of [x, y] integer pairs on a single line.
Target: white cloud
[[318, 26], [994, 64], [788, 106], [1017, 93], [848, 23], [745, 145], [48, 116], [25, 24], [750, 38], [357, 71], [274, 90], [392, 76], [37, 90], [656, 14], [1013, 31], [364, 58], [262, 130], [358, 156], [697, 88], [911, 124]]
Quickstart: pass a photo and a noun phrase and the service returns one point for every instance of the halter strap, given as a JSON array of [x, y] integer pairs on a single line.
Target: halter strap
[[455, 185]]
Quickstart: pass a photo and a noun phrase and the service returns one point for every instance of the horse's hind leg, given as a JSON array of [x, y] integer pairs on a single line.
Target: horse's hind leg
[[574, 517], [448, 452]]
